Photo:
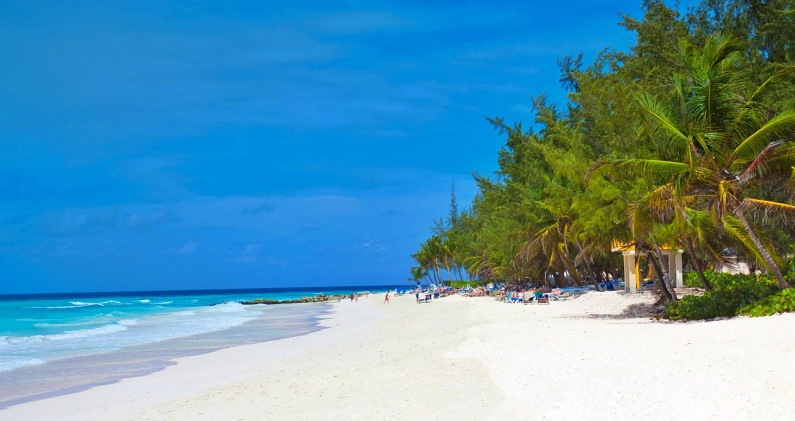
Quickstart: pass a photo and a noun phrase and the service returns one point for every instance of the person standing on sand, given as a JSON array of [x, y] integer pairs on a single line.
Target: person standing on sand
[[386, 298], [356, 297]]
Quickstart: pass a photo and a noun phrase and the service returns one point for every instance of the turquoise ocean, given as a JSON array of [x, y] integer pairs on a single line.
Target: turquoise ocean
[[57, 343]]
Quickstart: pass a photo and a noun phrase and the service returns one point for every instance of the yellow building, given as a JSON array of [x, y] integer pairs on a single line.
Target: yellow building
[[632, 279]]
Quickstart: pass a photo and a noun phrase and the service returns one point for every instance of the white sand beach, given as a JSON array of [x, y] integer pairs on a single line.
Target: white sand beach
[[462, 358]]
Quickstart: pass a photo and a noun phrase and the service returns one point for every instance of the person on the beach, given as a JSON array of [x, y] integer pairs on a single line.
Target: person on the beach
[[367, 294], [356, 297], [351, 297], [417, 294], [386, 298]]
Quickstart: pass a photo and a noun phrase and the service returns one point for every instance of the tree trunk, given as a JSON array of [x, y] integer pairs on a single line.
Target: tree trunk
[[587, 264], [458, 269], [588, 268], [664, 270], [771, 264], [568, 264], [659, 275], [697, 264]]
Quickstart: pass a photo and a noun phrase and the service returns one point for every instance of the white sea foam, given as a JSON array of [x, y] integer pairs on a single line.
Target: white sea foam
[[106, 331], [144, 301], [82, 304], [228, 307], [72, 334], [163, 303], [184, 313], [12, 363]]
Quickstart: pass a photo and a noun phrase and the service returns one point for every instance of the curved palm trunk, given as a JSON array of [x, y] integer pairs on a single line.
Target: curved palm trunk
[[572, 270], [664, 271], [437, 272], [659, 276], [771, 264], [697, 264]]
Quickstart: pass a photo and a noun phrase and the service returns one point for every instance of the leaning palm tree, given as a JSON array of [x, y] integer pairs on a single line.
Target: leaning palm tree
[[551, 239], [718, 140]]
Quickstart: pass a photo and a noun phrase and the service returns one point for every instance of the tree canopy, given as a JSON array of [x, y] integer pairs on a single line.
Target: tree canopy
[[686, 139]]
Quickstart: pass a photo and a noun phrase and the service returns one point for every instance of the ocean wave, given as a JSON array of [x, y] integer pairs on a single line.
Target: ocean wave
[[84, 323], [102, 304], [128, 322], [228, 307], [72, 334], [144, 301], [184, 313], [13, 363], [82, 304], [163, 303]]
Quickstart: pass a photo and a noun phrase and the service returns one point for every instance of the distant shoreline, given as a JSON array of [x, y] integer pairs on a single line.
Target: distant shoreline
[[91, 294]]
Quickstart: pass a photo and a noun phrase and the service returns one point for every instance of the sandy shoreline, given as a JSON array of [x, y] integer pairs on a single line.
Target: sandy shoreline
[[469, 358]]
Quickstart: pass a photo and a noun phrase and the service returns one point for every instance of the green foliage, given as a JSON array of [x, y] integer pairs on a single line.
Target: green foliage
[[686, 139], [731, 294], [781, 302], [691, 280], [463, 284]]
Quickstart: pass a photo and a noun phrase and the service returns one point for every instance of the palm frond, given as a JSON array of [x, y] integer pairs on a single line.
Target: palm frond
[[659, 115], [776, 128], [768, 207], [652, 169], [781, 73], [758, 165]]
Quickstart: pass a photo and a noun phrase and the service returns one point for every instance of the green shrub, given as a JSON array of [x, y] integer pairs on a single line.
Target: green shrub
[[691, 280], [781, 302], [730, 293], [463, 284]]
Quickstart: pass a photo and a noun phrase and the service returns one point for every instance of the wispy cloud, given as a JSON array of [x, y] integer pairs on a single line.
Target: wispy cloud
[[188, 248]]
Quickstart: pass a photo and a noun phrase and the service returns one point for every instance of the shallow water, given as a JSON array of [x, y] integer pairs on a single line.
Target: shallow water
[[52, 344], [76, 373]]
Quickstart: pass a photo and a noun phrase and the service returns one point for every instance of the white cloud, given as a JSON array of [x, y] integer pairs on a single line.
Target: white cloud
[[188, 248]]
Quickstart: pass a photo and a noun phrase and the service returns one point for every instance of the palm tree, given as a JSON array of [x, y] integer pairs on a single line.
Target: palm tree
[[417, 273], [551, 239], [717, 142]]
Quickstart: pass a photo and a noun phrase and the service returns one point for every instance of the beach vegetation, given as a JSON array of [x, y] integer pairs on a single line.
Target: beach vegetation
[[732, 295], [687, 140], [464, 284], [780, 302]]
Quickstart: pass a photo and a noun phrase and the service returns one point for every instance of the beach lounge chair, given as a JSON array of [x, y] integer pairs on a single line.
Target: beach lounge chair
[[541, 297]]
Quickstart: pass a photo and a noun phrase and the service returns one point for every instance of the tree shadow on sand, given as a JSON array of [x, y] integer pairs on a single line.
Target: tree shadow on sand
[[632, 311]]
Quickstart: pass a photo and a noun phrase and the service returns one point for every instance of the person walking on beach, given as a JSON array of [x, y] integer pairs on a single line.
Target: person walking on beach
[[386, 298]]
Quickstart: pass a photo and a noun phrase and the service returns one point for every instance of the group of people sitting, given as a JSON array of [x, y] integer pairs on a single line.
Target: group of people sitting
[[538, 295], [519, 294]]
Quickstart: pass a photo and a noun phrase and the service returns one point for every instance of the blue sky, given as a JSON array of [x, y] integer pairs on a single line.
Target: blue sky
[[191, 145]]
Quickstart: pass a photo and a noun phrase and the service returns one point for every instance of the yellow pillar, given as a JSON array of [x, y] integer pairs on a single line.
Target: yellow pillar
[[637, 272]]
